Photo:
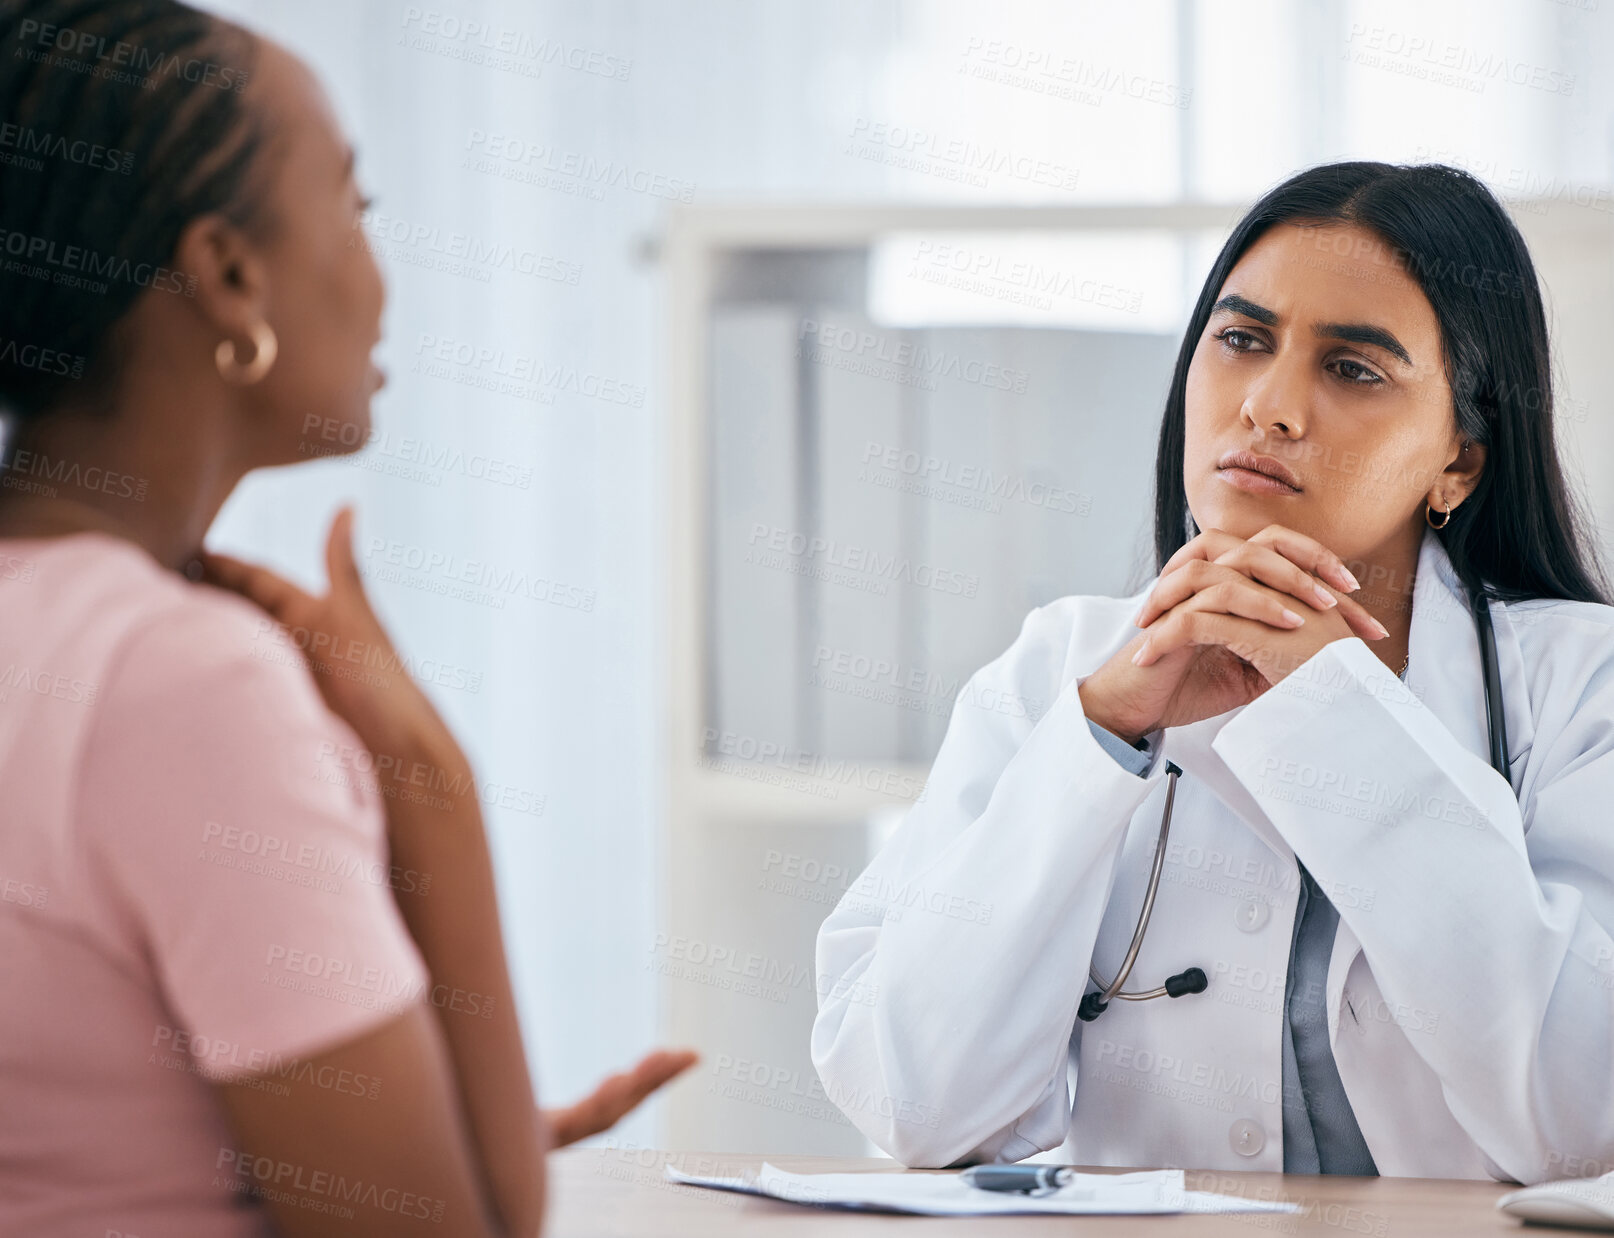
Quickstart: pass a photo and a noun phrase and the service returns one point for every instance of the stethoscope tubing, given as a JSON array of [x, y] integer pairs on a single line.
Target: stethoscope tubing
[[1113, 989]]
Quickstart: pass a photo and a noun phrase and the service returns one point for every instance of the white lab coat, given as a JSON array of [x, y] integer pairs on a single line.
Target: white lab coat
[[1470, 991]]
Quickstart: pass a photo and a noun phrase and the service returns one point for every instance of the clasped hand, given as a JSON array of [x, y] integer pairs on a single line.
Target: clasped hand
[[1227, 618]]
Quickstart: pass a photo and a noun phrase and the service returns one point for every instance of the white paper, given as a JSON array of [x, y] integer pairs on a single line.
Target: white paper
[[946, 1194]]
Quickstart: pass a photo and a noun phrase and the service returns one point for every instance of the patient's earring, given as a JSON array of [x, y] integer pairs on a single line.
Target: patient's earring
[[266, 346]]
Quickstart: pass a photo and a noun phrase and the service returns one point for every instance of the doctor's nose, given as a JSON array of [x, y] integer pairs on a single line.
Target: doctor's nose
[[1277, 405], [1273, 421]]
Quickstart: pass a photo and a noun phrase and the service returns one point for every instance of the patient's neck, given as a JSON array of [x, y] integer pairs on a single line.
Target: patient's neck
[[157, 481]]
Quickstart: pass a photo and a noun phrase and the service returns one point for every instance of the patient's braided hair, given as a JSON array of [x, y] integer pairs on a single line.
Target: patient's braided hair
[[120, 122]]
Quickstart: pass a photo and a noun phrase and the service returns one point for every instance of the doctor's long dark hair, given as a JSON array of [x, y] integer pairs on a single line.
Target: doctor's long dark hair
[[1521, 534]]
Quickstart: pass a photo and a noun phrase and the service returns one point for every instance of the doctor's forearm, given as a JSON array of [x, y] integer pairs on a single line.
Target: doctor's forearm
[[1098, 709]]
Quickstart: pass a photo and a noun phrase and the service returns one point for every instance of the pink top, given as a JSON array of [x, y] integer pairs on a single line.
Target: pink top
[[194, 885]]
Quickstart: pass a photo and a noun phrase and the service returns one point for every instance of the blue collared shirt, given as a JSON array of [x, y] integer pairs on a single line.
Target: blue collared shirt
[[1320, 1134]]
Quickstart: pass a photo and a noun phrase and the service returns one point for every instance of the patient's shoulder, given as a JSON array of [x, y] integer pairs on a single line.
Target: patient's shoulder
[[105, 610]]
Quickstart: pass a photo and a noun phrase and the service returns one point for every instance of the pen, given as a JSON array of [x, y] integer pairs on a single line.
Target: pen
[[1025, 1179]]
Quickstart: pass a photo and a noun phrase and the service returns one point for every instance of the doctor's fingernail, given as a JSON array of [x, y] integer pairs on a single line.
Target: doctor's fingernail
[[1142, 649], [1351, 583], [1382, 630], [1325, 599], [1292, 617]]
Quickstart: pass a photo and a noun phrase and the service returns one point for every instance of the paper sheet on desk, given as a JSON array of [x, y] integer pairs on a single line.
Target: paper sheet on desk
[[945, 1194]]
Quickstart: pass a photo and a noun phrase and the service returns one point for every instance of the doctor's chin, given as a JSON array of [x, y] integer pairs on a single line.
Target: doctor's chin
[[635, 619]]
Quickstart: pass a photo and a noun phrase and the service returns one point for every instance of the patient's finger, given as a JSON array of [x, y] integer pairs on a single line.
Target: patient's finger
[[340, 565], [268, 590]]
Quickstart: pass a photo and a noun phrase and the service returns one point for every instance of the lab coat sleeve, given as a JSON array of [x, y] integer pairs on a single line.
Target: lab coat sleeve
[[1486, 922], [950, 972]]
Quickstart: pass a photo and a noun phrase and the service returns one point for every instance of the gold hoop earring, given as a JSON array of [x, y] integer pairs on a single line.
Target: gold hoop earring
[[1428, 515], [266, 346]]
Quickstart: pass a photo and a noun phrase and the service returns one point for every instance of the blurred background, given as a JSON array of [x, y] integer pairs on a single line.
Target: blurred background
[[756, 366]]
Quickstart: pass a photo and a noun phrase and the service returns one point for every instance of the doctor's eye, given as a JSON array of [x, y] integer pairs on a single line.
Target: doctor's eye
[[1357, 374], [1236, 340]]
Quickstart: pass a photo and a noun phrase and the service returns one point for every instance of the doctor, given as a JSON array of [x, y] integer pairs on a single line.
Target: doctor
[[1407, 958]]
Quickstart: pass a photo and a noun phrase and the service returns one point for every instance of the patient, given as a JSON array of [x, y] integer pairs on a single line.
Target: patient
[[250, 958]]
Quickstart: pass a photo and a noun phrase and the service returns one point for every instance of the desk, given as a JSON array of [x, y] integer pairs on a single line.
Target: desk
[[606, 1192]]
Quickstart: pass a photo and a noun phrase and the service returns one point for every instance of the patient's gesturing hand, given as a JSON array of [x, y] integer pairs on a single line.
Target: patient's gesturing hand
[[616, 1096], [351, 655]]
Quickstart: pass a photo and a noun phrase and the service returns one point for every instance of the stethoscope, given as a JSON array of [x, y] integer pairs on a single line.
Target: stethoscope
[[1193, 979]]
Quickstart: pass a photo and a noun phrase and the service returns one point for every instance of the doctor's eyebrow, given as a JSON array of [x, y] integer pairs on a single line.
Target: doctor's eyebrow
[[1351, 332]]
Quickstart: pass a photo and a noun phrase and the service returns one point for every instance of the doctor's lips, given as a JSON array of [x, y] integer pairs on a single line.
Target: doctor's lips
[[1258, 474]]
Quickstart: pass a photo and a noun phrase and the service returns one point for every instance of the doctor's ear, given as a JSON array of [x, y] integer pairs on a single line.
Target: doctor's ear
[[1461, 476]]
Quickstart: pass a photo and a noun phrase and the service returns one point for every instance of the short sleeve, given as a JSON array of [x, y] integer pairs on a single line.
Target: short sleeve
[[235, 822]]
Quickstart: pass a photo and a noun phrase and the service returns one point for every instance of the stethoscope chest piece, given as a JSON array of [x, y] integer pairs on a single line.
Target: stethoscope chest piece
[[1184, 982]]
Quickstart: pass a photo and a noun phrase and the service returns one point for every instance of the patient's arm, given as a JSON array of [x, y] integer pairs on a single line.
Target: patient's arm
[[370, 1138], [472, 1068], [475, 1059]]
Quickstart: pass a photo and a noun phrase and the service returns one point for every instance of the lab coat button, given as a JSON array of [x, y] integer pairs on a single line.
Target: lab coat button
[[1247, 1137], [1252, 913]]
